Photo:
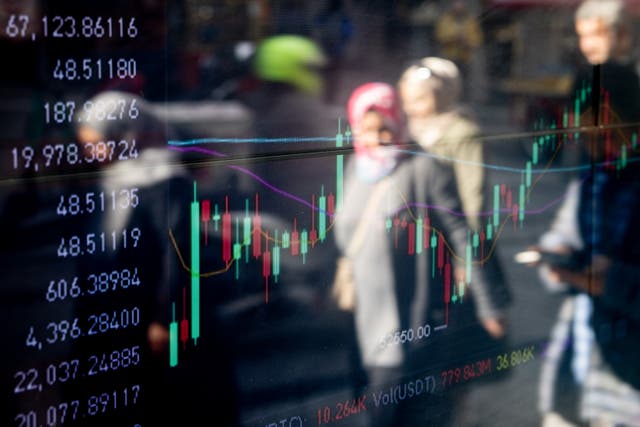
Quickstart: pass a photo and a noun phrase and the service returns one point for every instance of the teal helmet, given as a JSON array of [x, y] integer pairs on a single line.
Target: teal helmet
[[290, 59]]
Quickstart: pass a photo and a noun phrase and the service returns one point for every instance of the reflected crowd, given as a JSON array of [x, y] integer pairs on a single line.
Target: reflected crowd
[[348, 212]]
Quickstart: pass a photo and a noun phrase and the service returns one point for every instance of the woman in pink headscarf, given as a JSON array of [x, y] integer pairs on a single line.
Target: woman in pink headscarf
[[388, 187], [377, 122]]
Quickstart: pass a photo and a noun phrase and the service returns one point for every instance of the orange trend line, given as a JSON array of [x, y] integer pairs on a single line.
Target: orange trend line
[[447, 244]]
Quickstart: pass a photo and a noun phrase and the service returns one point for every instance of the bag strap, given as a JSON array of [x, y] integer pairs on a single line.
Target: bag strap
[[358, 236]]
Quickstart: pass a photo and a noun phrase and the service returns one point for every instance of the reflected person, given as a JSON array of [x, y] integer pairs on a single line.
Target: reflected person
[[393, 290], [430, 91], [575, 375], [149, 191]]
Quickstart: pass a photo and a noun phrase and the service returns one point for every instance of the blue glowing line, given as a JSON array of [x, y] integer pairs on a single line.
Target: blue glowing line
[[580, 168], [290, 140], [309, 205]]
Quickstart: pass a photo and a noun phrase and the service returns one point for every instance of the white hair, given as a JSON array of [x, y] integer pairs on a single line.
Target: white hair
[[438, 75], [611, 12]]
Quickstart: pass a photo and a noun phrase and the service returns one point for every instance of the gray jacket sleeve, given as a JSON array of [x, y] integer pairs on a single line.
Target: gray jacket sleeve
[[563, 232]]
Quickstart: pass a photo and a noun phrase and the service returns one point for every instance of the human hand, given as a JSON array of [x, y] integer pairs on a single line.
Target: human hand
[[158, 337], [495, 327], [590, 280], [533, 256], [459, 274]]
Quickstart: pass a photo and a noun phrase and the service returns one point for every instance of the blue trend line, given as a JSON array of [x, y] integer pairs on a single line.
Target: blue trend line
[[251, 174], [309, 205], [512, 169], [290, 140], [538, 171]]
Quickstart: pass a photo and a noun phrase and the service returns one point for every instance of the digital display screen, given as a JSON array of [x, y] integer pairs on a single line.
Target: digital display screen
[[344, 213]]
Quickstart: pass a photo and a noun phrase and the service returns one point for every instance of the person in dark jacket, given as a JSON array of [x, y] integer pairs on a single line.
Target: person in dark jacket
[[153, 190], [602, 331]]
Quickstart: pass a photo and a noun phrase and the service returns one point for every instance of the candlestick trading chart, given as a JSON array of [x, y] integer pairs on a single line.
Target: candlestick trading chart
[[174, 217]]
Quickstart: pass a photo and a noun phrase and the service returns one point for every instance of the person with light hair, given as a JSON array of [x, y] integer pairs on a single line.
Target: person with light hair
[[603, 31], [430, 91], [590, 369]]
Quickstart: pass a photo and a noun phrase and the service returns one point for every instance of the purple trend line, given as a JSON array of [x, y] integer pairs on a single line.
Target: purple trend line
[[486, 213], [254, 176], [435, 207], [407, 206], [547, 206], [198, 150], [274, 188]]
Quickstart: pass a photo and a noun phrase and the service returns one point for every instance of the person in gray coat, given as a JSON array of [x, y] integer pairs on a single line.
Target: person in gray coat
[[410, 271]]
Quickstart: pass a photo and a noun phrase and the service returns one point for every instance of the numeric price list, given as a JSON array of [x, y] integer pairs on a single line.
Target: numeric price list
[[21, 26], [81, 356], [86, 408]]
